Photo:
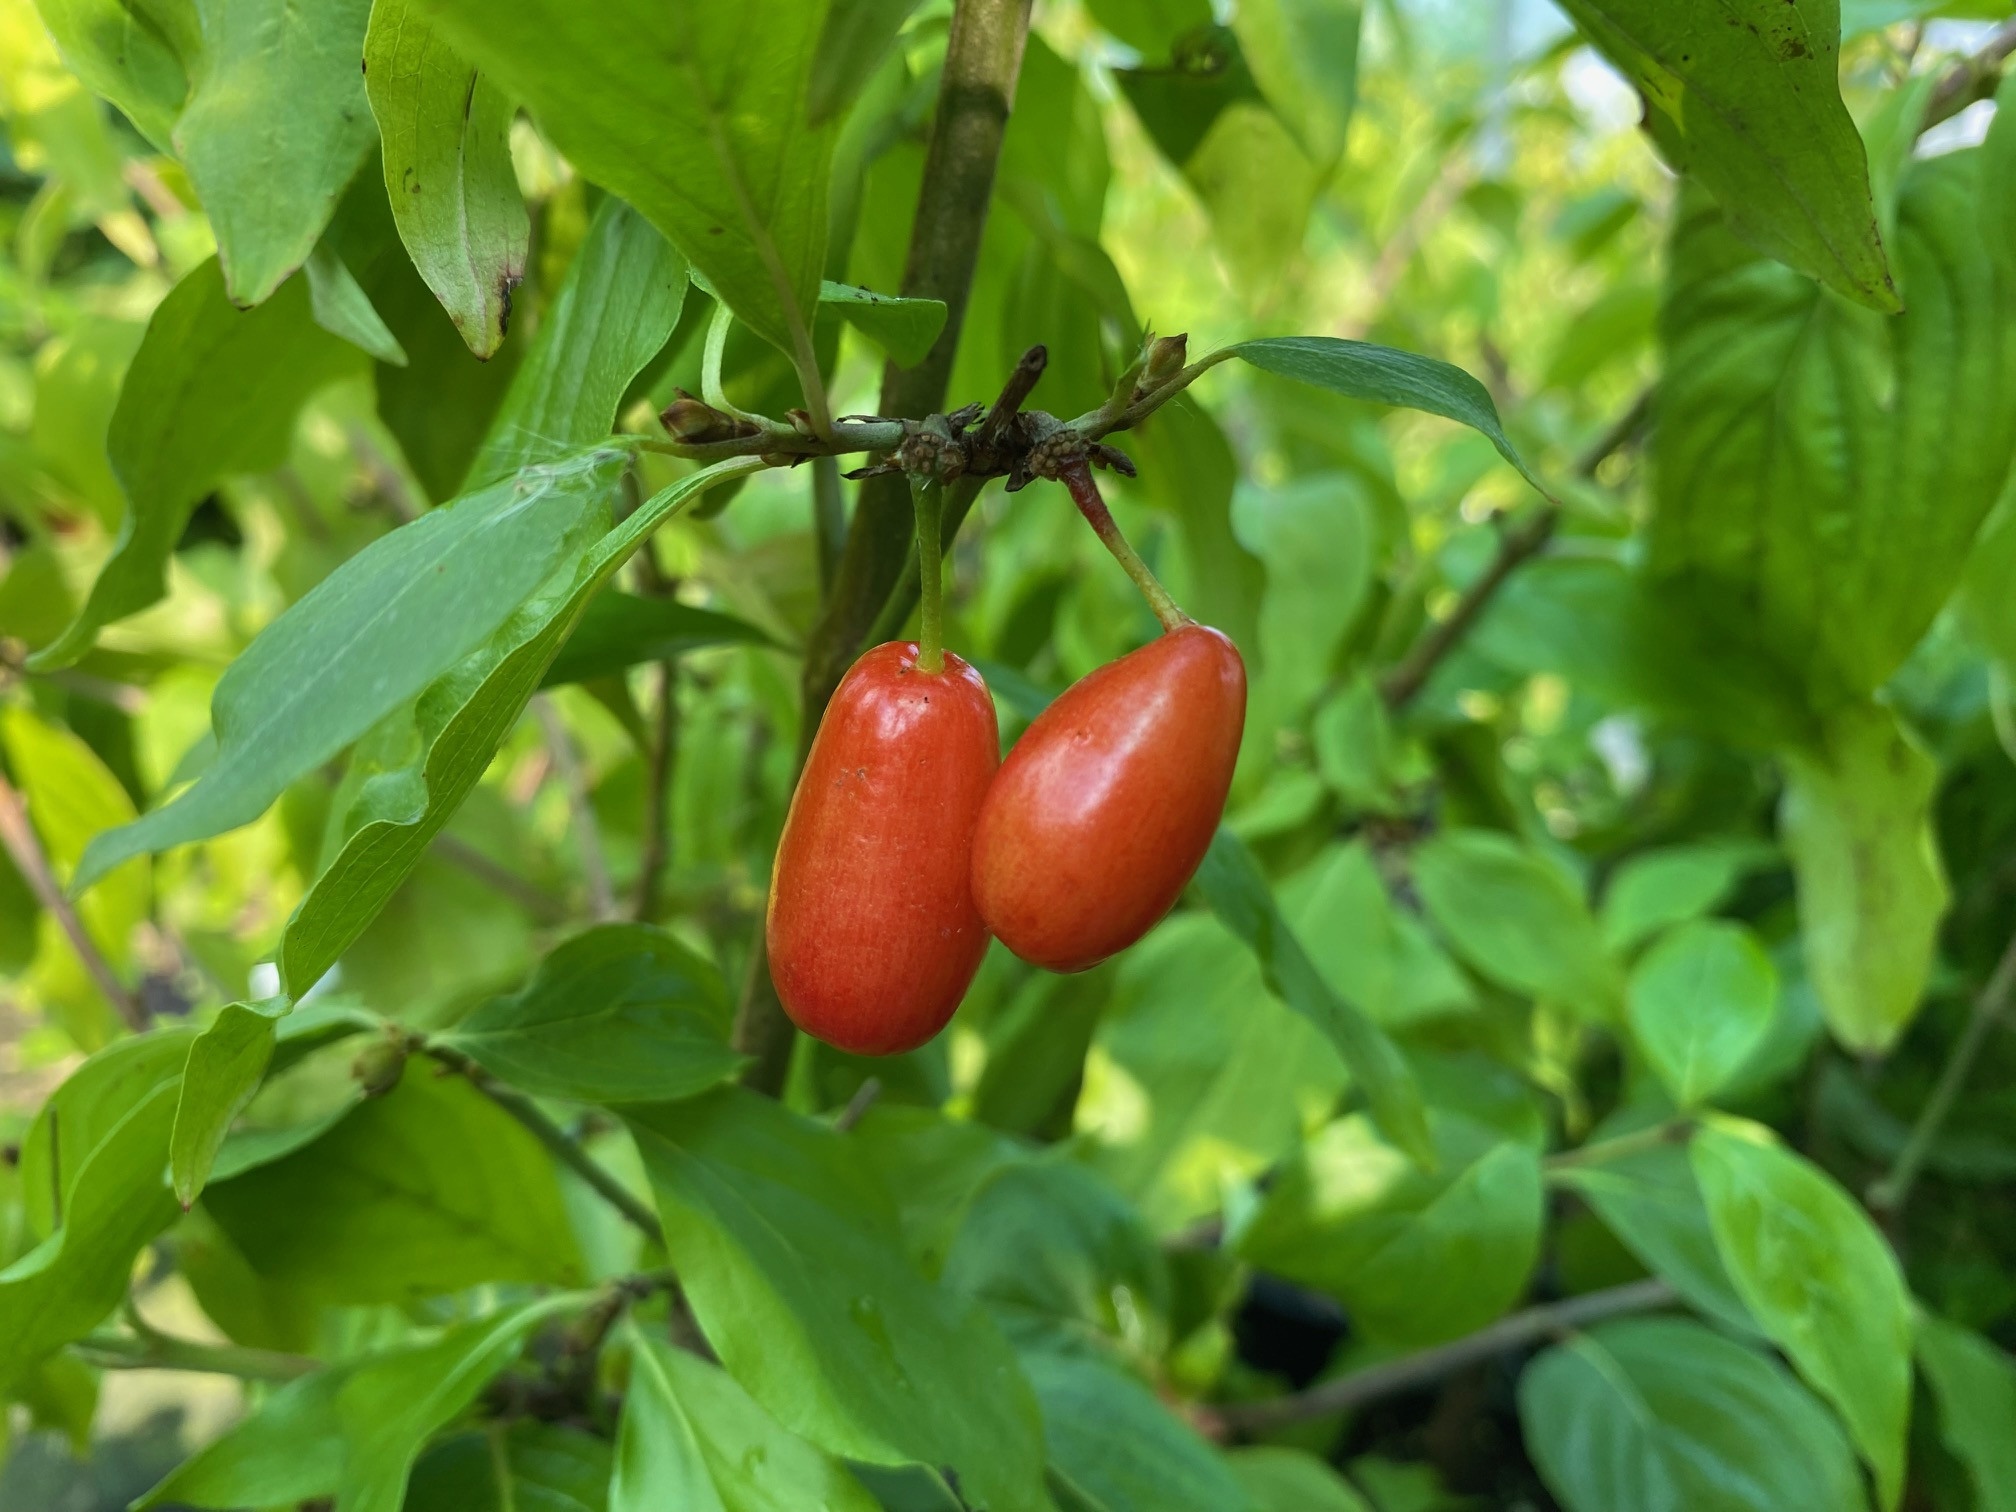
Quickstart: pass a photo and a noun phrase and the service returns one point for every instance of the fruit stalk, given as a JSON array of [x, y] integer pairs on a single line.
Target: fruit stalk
[[1091, 504], [928, 497]]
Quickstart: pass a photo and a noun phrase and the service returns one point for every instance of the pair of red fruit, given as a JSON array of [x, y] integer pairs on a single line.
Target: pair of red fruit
[[909, 840]]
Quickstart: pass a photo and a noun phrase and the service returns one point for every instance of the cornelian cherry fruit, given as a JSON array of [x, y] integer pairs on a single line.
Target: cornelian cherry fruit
[[872, 933], [1102, 812]]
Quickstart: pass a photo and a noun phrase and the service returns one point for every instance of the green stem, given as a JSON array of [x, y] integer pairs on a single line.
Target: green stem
[[1085, 493], [1673, 1131], [159, 1351], [1889, 1195], [929, 498]]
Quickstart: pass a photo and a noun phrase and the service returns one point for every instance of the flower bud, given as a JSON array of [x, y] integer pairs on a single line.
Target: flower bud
[[379, 1065]]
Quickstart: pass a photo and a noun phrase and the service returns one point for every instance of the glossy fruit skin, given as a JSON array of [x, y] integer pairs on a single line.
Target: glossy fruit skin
[[1108, 802], [871, 930]]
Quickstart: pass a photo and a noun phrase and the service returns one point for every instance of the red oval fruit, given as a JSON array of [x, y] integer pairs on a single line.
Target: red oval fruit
[[871, 929], [1109, 800]]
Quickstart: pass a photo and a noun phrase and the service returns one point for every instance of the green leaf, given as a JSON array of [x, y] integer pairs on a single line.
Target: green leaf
[[1516, 919], [1304, 57], [1277, 1479], [274, 128], [352, 1431], [404, 798], [91, 1172], [1974, 1384], [1415, 1257], [1207, 114], [1231, 881], [446, 134], [425, 1190], [342, 308], [1319, 543], [1198, 1078], [1800, 438], [1650, 1200], [1061, 1260], [619, 630], [723, 161], [1747, 99], [132, 55], [538, 1467], [1699, 1003], [227, 1061], [903, 328], [789, 1254], [370, 636], [71, 796], [691, 1438], [1291, 1480], [1664, 1415], [212, 391], [1151, 27], [1857, 823], [1119, 1448], [857, 36], [619, 303], [1657, 889], [1355, 747], [620, 1013], [1370, 949], [1361, 370], [287, 1451], [1819, 1280]]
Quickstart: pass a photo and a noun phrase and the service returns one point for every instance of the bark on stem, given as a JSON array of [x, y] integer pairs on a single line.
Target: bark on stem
[[983, 58], [1416, 1370]]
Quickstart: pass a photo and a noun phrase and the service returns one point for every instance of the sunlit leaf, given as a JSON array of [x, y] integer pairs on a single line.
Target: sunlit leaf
[[692, 1438], [212, 391], [226, 1063], [1747, 99], [787, 1251], [1821, 1283], [1699, 1003], [1857, 822], [723, 160], [425, 1190], [446, 132], [93, 1163], [621, 1013], [1231, 881], [371, 635]]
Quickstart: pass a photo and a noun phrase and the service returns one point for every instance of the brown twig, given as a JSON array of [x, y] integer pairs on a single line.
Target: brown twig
[[858, 1105], [24, 847], [1888, 1195], [983, 59], [563, 1146], [1973, 78], [1430, 1365], [657, 779], [1410, 674], [464, 857]]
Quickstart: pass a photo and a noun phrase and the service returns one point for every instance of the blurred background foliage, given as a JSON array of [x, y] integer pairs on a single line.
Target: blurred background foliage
[[1531, 871]]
